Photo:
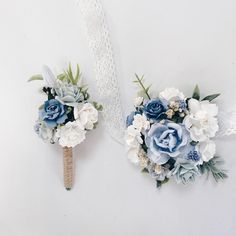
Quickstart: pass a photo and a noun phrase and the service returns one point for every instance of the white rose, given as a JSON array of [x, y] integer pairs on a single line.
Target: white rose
[[87, 114], [140, 122], [207, 150], [171, 94], [201, 121], [71, 134], [138, 101]]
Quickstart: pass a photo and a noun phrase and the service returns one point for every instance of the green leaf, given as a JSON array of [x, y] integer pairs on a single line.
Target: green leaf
[[77, 76], [145, 170], [61, 77], [35, 77], [99, 107], [213, 166], [211, 97], [194, 143], [196, 93]]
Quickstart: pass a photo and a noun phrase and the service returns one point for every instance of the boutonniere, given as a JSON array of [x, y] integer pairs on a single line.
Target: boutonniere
[[171, 136], [66, 115]]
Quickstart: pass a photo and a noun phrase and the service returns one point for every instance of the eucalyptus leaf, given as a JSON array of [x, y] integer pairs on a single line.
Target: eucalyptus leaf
[[211, 97], [196, 93], [35, 77]]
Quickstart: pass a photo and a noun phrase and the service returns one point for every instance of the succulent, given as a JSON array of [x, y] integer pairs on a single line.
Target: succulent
[[184, 171]]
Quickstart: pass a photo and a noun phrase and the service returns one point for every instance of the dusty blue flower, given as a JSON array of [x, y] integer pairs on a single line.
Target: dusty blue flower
[[182, 104], [184, 171], [53, 113], [193, 155], [155, 108], [165, 141]]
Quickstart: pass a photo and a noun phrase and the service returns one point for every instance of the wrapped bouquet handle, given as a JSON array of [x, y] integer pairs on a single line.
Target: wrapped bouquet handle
[[68, 167], [67, 114]]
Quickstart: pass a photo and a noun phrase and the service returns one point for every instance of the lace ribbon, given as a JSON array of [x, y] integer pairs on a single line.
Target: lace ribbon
[[227, 123], [107, 83], [105, 70]]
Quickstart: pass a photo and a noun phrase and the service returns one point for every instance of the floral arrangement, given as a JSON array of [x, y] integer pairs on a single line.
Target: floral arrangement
[[67, 114], [171, 136]]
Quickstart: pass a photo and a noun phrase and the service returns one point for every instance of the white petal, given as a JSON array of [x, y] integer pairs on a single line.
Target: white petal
[[194, 105]]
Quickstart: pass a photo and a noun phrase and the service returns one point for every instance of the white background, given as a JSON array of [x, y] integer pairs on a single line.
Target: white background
[[174, 43]]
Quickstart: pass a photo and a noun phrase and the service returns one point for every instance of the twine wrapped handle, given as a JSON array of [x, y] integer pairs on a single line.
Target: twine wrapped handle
[[68, 167]]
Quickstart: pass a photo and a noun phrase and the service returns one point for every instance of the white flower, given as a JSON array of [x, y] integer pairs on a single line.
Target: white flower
[[71, 134], [140, 122], [201, 121], [138, 101], [45, 133], [207, 150], [171, 94], [49, 78], [133, 137], [87, 114]]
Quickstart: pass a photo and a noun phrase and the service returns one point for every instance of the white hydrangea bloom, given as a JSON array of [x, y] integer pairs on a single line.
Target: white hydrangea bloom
[[201, 122], [171, 94], [87, 114], [71, 134], [133, 137], [141, 123], [207, 150]]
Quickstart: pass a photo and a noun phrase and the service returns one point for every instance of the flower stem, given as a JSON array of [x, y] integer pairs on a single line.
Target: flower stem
[[139, 80]]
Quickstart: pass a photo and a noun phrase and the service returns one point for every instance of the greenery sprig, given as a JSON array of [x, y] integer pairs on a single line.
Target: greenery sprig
[[144, 90], [213, 167], [197, 95]]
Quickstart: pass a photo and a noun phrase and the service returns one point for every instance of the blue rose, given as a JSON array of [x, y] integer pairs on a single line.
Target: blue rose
[[53, 113], [165, 141], [130, 118], [155, 108]]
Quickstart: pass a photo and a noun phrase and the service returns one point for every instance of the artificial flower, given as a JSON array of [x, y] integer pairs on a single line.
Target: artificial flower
[[165, 141], [201, 120], [184, 171], [133, 137], [130, 118], [68, 93], [155, 108], [171, 94], [71, 134], [53, 113], [207, 150], [140, 122], [45, 133], [87, 114]]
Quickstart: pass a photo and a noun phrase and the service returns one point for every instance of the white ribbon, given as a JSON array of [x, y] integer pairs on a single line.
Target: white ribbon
[[107, 84], [105, 70]]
